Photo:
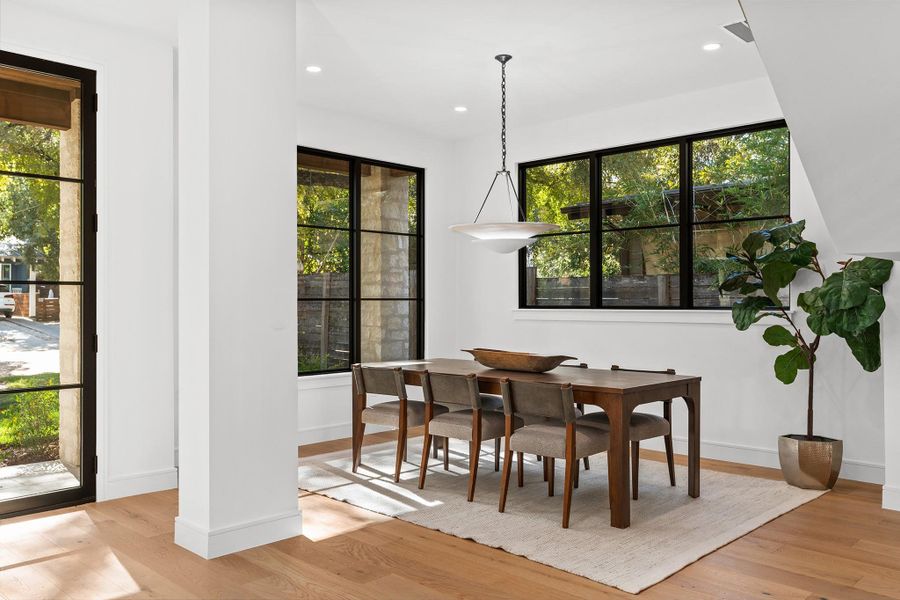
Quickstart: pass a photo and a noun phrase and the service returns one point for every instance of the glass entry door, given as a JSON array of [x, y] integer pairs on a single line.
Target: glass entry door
[[47, 287]]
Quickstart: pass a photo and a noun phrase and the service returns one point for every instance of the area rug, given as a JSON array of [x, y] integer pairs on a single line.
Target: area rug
[[669, 530]]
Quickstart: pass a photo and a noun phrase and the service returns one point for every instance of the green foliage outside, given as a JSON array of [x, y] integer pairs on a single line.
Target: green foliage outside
[[847, 303], [28, 421], [747, 175], [29, 208]]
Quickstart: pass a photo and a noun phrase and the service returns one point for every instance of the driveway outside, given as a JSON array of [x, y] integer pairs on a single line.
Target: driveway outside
[[28, 347]]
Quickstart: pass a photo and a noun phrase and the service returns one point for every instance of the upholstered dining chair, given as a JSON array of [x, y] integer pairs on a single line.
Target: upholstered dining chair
[[473, 417], [558, 436], [643, 426], [400, 414]]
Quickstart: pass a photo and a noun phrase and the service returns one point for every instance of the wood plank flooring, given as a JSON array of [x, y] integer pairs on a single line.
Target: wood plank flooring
[[842, 545]]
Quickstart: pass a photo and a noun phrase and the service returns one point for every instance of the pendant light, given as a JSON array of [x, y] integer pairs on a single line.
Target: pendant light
[[505, 237]]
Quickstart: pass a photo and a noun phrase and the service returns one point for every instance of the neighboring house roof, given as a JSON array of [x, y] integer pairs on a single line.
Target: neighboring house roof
[[11, 248]]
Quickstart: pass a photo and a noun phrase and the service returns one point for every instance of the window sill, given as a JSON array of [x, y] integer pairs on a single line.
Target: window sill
[[706, 317], [322, 381]]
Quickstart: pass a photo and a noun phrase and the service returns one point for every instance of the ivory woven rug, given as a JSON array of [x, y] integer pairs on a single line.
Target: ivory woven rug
[[669, 530]]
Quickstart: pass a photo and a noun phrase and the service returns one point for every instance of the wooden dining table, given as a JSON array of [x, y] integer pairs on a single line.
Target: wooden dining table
[[616, 392]]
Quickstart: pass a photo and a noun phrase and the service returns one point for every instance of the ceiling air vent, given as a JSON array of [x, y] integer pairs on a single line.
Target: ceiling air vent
[[741, 30]]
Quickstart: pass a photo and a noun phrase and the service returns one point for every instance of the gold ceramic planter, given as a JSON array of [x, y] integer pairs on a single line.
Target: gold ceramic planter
[[810, 464]]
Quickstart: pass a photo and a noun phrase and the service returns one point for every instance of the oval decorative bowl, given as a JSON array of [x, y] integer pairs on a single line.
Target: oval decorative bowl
[[516, 361]]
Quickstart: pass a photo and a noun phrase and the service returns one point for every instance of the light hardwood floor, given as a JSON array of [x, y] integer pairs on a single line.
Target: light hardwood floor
[[841, 545]]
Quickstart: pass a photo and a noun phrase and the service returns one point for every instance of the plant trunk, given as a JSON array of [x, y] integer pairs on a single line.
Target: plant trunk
[[809, 410]]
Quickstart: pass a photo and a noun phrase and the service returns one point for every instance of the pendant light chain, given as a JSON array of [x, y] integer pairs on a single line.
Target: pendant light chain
[[503, 113]]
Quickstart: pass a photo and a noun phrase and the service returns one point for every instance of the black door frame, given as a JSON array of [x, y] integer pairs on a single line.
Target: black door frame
[[88, 489]]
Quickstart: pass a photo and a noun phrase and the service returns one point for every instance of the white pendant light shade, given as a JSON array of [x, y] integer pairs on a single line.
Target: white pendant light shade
[[508, 237]]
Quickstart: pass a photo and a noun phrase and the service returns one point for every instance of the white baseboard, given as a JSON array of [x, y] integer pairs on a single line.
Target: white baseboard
[[311, 435], [890, 497], [210, 543], [138, 483], [856, 470]]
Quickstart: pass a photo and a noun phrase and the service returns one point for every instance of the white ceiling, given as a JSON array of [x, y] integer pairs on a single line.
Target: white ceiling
[[409, 62]]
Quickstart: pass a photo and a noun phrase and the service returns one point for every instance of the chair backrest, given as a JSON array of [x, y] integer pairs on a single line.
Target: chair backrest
[[380, 380], [665, 372], [551, 400], [451, 390]]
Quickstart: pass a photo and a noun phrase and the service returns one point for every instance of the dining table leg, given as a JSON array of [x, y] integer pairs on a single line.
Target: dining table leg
[[619, 476], [359, 401], [693, 409]]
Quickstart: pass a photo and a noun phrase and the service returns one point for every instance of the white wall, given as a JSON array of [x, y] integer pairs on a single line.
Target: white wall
[[135, 398], [744, 407], [325, 399]]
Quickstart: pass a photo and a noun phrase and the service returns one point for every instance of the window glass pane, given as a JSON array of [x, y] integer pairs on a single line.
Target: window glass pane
[[388, 199], [558, 271], [323, 263], [323, 336], [40, 442], [640, 267], [388, 330], [323, 191], [40, 228], [29, 149], [388, 265], [640, 187], [560, 193], [744, 175], [40, 340], [711, 267]]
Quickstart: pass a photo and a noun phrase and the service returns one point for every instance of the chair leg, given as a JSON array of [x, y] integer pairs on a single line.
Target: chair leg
[[670, 453], [635, 459], [538, 457], [357, 448], [544, 464], [504, 478], [474, 451], [435, 447], [423, 467], [401, 450], [496, 454], [577, 469], [405, 450], [551, 468], [520, 468], [446, 454], [587, 464], [571, 469]]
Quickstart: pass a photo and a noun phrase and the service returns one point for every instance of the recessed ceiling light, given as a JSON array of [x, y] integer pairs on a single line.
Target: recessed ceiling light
[[710, 47], [313, 69], [460, 108]]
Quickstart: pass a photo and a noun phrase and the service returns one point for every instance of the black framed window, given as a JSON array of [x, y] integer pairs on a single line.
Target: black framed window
[[48, 288], [649, 225], [360, 244]]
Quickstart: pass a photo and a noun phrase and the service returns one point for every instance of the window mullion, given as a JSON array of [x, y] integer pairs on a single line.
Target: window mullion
[[596, 235], [355, 306], [685, 215]]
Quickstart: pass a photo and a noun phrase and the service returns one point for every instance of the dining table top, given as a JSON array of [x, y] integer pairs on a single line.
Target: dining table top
[[602, 380]]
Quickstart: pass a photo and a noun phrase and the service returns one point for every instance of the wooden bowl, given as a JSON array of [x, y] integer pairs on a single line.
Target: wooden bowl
[[517, 361]]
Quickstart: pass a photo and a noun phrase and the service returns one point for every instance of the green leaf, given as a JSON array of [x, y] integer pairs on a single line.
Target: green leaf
[[751, 287], [874, 271], [734, 281], [852, 321], [818, 323], [866, 347], [778, 335], [746, 312], [810, 301], [754, 242], [786, 233], [803, 254], [776, 276], [843, 290], [787, 365]]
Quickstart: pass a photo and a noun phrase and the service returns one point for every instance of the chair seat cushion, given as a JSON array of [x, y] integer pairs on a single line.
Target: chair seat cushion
[[549, 439], [388, 413], [458, 425], [643, 426]]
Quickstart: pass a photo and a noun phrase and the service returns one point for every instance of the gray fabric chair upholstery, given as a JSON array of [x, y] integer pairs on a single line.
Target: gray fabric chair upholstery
[[458, 425], [388, 413], [642, 426], [549, 439]]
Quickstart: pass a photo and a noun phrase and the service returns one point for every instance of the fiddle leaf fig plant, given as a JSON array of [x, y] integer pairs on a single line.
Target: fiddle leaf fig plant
[[847, 303]]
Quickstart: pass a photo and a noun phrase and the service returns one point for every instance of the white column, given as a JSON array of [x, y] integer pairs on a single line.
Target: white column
[[890, 348], [237, 275]]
